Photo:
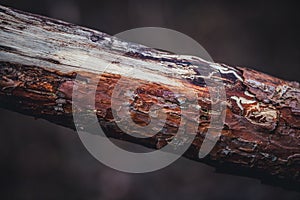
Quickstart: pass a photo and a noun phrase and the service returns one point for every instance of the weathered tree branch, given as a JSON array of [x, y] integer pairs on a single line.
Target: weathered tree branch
[[41, 57]]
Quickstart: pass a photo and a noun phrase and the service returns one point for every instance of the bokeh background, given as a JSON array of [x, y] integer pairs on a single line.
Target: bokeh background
[[39, 160]]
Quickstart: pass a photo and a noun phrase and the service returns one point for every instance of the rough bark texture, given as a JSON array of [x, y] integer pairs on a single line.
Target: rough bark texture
[[40, 59]]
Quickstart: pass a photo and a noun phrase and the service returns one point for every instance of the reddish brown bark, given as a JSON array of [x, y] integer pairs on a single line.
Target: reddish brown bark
[[260, 137]]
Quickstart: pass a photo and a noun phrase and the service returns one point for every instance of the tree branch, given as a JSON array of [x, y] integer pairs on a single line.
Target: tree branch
[[40, 59]]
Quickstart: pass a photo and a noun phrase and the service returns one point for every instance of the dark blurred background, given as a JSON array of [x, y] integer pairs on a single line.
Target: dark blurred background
[[39, 160]]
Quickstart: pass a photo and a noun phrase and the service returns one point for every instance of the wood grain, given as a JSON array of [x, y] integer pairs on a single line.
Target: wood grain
[[41, 60]]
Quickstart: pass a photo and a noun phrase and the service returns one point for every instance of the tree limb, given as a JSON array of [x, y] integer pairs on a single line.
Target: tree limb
[[40, 59]]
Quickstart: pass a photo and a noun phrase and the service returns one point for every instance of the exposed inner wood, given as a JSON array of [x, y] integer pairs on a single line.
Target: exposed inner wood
[[40, 59]]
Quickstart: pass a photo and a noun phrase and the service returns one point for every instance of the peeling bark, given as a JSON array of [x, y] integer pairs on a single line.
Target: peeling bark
[[40, 59]]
